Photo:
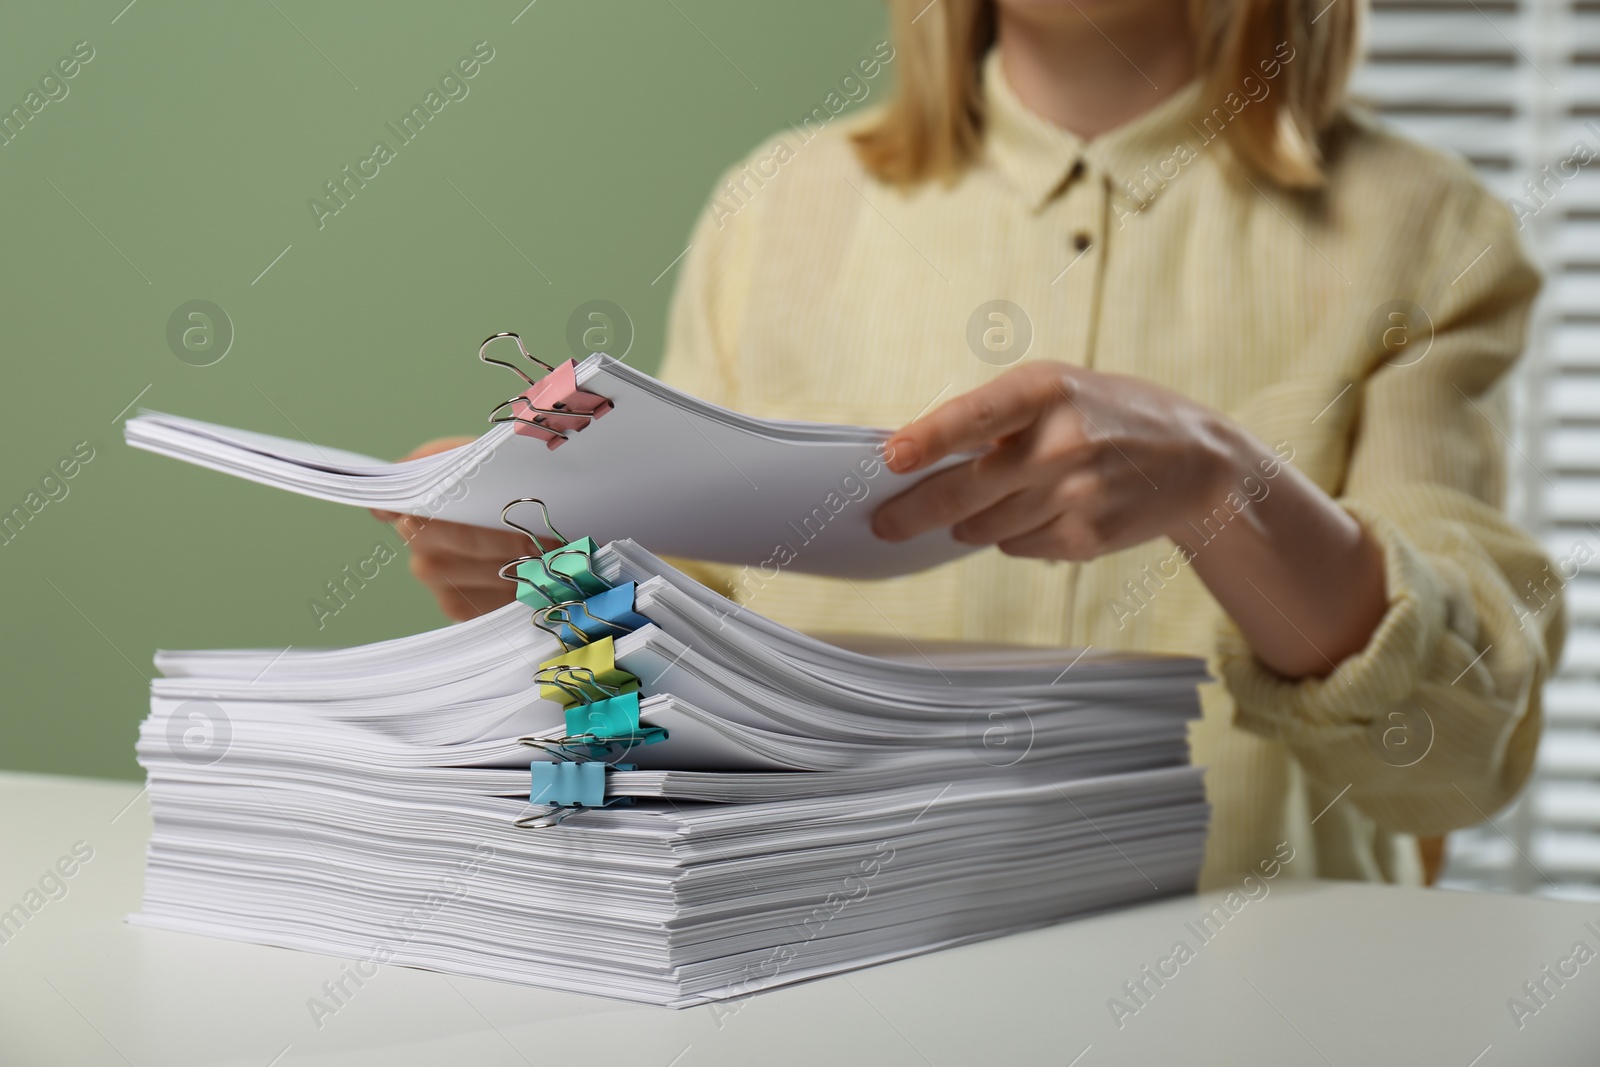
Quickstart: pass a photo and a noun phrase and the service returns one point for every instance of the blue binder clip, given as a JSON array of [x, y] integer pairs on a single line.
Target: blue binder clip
[[579, 622]]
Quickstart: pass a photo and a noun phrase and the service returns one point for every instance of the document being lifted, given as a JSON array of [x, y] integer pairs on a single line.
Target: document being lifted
[[615, 452]]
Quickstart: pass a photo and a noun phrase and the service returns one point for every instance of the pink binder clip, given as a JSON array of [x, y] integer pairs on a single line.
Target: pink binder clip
[[552, 408]]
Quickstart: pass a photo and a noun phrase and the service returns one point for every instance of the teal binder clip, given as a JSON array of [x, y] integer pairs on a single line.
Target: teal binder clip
[[595, 725], [614, 720]]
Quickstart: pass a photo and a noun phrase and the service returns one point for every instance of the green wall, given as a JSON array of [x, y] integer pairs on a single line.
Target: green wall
[[179, 163]]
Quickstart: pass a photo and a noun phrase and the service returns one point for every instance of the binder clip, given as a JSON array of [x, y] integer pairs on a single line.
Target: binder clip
[[566, 788], [581, 622], [556, 575], [612, 721], [600, 716], [568, 784], [575, 780], [594, 666], [552, 408]]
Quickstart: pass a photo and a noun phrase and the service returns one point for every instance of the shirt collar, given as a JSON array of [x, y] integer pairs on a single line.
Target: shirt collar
[[1038, 156]]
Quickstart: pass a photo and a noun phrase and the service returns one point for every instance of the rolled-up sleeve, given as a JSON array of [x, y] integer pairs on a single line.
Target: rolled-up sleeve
[[1434, 724]]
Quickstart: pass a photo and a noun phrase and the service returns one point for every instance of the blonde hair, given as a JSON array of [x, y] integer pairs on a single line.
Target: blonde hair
[[933, 128]]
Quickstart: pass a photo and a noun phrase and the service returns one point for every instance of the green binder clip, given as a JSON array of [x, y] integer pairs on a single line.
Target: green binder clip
[[558, 574]]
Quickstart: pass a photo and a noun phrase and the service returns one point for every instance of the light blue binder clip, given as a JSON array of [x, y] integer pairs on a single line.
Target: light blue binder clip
[[567, 787]]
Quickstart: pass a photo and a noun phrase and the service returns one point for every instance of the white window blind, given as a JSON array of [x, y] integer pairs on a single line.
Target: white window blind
[[1512, 85]]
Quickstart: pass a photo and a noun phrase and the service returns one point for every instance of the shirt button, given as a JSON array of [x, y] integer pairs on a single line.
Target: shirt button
[[1080, 241], [1076, 172]]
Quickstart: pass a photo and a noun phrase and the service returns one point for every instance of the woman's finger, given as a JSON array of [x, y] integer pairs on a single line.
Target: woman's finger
[[1010, 403], [461, 604], [1067, 536], [1017, 514], [430, 448], [947, 498], [434, 569], [1078, 490], [434, 447], [438, 537]]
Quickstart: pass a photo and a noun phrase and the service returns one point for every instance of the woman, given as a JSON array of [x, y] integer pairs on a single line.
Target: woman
[[1259, 418]]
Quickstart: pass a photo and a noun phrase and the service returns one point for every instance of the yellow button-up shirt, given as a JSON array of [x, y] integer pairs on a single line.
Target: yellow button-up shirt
[[1365, 330]]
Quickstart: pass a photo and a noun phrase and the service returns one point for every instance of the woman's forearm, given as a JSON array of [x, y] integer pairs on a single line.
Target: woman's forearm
[[1298, 574]]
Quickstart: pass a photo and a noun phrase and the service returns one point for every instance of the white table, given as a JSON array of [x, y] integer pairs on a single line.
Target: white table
[[1316, 973]]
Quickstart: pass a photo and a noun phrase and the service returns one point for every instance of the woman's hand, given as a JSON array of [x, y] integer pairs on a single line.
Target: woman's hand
[[1077, 464], [458, 563]]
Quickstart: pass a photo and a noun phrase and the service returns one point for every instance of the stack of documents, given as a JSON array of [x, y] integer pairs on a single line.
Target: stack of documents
[[810, 808], [624, 783]]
